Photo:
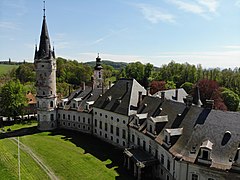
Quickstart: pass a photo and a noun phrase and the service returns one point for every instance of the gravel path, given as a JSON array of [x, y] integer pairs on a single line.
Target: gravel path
[[28, 150]]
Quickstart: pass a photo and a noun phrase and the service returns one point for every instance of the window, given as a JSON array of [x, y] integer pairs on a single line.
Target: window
[[52, 117], [123, 143], [124, 122], [51, 104], [144, 145], [78, 118], [156, 153], [117, 120], [133, 138], [150, 128], [162, 159], [42, 66], [138, 141], [150, 148], [43, 92], [63, 116], [168, 164], [100, 114], [194, 177], [106, 116], [74, 117], [83, 119], [95, 131], [111, 130], [161, 171], [100, 124], [106, 136], [111, 138], [111, 118], [96, 113], [88, 120], [68, 117], [95, 122], [117, 131], [123, 134], [167, 177], [117, 140], [73, 125], [205, 154], [100, 133], [74, 105], [99, 74], [59, 116], [106, 127]]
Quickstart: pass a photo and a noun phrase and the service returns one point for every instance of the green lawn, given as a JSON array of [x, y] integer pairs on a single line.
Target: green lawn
[[70, 155], [4, 68]]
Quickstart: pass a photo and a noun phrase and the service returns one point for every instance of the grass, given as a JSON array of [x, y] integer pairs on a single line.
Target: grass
[[4, 68], [69, 154]]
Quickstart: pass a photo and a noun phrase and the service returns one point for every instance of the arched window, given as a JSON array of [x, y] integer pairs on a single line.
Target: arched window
[[51, 104]]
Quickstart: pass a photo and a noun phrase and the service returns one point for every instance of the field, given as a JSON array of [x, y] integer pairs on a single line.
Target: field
[[58, 155], [4, 68]]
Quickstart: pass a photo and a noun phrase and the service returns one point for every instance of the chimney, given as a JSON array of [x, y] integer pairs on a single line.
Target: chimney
[[139, 98], [188, 100], [148, 91], [163, 95], [176, 94], [209, 104], [83, 86]]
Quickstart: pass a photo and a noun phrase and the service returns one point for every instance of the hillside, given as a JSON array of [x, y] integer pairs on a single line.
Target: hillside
[[116, 65], [4, 68]]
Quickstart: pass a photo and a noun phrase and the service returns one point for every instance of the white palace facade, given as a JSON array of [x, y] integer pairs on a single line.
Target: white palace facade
[[165, 136]]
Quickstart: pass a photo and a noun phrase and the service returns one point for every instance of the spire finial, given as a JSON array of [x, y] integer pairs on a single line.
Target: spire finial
[[98, 54], [44, 9]]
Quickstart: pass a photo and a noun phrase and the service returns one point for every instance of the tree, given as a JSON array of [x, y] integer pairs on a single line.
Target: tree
[[231, 99], [209, 90], [187, 86], [170, 85], [13, 100], [156, 86], [25, 73]]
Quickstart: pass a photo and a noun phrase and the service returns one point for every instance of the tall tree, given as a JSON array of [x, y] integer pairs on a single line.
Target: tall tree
[[13, 99]]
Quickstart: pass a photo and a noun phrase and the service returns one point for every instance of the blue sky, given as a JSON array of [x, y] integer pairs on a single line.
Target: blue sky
[[203, 32]]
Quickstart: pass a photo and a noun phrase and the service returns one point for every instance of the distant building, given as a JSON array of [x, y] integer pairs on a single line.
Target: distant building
[[166, 136]]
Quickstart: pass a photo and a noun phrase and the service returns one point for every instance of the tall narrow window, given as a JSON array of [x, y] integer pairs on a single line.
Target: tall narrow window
[[52, 117], [117, 131], [123, 134], [111, 130], [100, 124], [144, 145], [106, 127], [138, 141]]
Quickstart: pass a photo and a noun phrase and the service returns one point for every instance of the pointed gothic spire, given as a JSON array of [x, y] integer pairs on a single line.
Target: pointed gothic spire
[[36, 52], [44, 46]]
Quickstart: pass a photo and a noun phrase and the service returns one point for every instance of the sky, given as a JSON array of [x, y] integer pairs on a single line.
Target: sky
[[205, 32]]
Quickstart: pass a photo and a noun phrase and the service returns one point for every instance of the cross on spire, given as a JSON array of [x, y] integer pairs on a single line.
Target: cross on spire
[[44, 9]]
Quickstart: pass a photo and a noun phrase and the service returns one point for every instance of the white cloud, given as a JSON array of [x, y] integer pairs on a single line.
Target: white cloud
[[211, 5], [155, 15], [8, 25], [188, 7], [203, 8]]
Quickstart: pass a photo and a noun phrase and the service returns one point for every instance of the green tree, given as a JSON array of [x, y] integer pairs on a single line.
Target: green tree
[[230, 99], [187, 86], [170, 85], [13, 99], [25, 73]]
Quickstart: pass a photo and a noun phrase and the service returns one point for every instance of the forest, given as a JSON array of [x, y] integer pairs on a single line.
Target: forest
[[220, 85]]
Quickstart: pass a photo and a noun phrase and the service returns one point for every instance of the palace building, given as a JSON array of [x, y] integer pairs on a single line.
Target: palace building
[[168, 136]]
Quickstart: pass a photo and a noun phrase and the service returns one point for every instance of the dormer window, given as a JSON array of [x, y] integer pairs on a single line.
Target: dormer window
[[171, 136], [205, 150]]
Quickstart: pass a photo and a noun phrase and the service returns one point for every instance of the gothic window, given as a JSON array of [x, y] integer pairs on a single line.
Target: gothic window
[[68, 117], [63, 116], [51, 104], [43, 92], [100, 124], [138, 141], [74, 117], [83, 119], [106, 136], [123, 143]]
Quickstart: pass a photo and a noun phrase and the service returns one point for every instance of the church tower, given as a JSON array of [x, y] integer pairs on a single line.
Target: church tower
[[98, 73], [45, 66]]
